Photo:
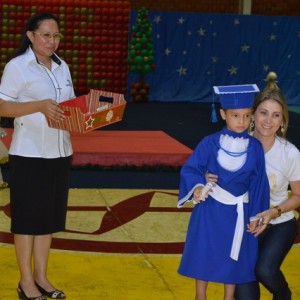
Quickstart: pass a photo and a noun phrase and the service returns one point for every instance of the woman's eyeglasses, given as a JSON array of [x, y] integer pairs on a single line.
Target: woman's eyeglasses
[[48, 36]]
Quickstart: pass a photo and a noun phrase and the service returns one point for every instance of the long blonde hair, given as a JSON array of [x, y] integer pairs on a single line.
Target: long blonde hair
[[272, 92]]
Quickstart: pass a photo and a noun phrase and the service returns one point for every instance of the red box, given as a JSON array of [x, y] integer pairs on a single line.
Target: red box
[[91, 111]]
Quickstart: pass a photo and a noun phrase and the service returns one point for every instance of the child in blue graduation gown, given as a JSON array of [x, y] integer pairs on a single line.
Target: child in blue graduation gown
[[218, 247]]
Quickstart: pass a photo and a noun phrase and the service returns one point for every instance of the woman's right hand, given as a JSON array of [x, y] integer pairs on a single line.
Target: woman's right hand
[[211, 177]]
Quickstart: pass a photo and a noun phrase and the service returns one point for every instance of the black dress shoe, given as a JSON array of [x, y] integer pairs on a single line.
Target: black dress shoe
[[23, 296], [56, 294]]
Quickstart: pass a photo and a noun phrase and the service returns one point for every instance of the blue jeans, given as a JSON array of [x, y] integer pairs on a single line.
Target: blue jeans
[[274, 244]]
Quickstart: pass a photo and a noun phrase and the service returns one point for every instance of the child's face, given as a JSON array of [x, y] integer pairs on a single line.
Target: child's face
[[237, 120]]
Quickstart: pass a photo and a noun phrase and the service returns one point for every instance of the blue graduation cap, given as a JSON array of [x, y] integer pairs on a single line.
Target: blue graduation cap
[[236, 96]]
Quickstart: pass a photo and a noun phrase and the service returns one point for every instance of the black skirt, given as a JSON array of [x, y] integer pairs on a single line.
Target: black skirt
[[38, 194]]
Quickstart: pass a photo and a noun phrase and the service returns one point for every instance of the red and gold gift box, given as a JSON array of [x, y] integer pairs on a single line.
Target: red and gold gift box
[[91, 111]]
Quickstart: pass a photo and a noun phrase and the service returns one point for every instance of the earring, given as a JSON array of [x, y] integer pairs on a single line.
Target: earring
[[282, 129], [252, 125]]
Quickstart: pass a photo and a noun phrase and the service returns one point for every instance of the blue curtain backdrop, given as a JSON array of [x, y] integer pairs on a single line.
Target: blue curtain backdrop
[[194, 52]]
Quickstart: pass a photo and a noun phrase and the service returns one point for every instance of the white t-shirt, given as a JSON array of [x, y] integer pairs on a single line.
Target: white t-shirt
[[282, 166], [25, 79]]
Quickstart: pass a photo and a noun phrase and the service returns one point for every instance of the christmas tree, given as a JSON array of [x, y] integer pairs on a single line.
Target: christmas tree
[[141, 55]]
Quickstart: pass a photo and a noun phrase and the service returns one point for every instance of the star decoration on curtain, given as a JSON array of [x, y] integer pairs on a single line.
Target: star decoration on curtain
[[201, 31], [222, 46], [157, 19], [181, 20], [214, 59], [182, 71], [233, 70], [167, 51], [245, 48]]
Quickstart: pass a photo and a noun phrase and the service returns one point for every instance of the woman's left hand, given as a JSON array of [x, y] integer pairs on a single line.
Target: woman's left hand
[[50, 109], [264, 219]]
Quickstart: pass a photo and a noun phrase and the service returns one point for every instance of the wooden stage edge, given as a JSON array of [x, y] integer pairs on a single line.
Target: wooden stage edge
[[124, 148]]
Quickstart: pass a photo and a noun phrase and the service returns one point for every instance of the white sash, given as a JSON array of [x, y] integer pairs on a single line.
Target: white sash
[[225, 197]]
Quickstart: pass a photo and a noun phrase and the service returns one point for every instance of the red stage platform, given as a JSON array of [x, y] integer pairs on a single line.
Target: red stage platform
[[122, 148]]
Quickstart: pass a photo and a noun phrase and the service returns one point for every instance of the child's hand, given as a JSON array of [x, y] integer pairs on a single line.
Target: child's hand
[[253, 224], [265, 217], [257, 225], [197, 194], [201, 193]]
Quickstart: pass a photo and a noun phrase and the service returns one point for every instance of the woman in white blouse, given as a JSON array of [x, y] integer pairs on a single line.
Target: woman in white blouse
[[32, 86]]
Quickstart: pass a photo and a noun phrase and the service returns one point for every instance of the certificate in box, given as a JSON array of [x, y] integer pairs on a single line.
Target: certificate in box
[[91, 111]]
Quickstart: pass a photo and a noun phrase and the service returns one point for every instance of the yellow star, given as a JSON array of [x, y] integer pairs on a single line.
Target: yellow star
[[89, 122]]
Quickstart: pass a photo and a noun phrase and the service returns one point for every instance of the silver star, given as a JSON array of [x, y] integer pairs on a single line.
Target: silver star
[[236, 21], [233, 70], [245, 48], [167, 51], [181, 20], [273, 37], [201, 31], [266, 68], [157, 19], [214, 59], [182, 71]]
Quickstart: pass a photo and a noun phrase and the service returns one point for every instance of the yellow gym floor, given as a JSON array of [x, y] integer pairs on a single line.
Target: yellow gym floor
[[152, 222]]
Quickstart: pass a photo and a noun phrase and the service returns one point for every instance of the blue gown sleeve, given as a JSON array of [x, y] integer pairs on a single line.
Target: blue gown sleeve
[[193, 172], [259, 192]]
